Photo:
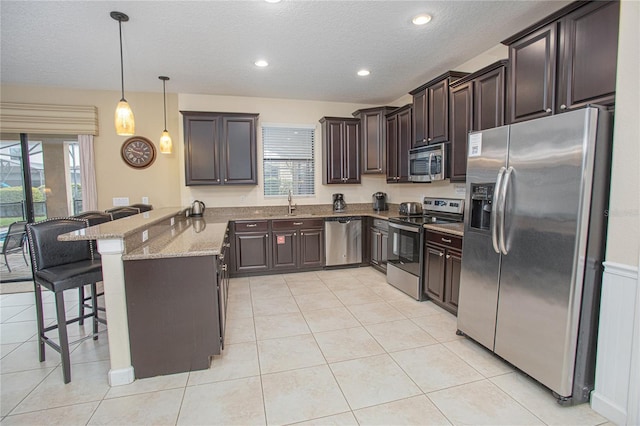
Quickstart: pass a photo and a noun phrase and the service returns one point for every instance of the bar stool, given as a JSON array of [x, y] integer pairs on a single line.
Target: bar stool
[[94, 217], [124, 211], [59, 266], [142, 207]]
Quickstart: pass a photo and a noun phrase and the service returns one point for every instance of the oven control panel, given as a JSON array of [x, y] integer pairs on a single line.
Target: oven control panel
[[443, 205]]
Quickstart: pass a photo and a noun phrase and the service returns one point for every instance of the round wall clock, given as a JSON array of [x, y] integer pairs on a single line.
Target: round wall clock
[[138, 152]]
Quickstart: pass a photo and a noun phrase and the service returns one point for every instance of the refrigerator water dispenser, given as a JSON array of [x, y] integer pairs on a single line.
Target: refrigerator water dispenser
[[481, 203]]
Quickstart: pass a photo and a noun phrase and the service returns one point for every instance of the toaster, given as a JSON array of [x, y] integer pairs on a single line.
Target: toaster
[[410, 208]]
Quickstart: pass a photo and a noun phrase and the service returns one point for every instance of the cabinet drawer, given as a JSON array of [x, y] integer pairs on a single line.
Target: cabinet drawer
[[297, 223], [251, 226], [446, 240]]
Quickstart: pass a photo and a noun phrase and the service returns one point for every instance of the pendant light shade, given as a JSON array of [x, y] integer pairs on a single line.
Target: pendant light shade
[[166, 145], [124, 121]]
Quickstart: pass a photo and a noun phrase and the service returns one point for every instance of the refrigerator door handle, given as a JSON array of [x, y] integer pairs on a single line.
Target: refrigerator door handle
[[495, 211], [503, 201]]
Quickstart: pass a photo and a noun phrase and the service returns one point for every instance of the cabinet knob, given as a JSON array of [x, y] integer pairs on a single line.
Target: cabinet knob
[[224, 267], [440, 254], [217, 180], [448, 256], [266, 235], [563, 106], [424, 140], [302, 233], [225, 179], [549, 110], [428, 139]]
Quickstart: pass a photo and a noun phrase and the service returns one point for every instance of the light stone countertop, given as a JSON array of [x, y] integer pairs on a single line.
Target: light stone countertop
[[190, 236], [449, 228]]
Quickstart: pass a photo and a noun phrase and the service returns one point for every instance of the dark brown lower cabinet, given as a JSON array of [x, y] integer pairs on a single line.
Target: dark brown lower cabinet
[[175, 311], [442, 260], [297, 244], [251, 246]]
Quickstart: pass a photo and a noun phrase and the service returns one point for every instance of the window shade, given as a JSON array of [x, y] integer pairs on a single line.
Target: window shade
[[48, 119], [288, 160]]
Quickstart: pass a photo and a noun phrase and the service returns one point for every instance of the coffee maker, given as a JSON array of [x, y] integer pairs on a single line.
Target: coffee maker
[[380, 201], [338, 203]]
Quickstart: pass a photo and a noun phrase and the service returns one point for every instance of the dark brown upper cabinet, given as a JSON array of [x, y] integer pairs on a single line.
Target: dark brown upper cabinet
[[565, 61], [340, 150], [431, 109], [399, 140], [373, 138], [476, 103], [220, 148]]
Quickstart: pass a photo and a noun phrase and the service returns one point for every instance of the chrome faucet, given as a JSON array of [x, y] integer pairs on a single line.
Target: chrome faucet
[[290, 207]]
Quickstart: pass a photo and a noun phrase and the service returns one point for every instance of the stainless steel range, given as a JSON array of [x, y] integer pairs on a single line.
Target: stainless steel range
[[406, 241]]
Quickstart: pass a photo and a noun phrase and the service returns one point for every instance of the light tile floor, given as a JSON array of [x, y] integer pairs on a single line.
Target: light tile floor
[[318, 348]]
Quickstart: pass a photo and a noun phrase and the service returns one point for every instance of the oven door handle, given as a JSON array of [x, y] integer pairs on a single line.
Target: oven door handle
[[404, 227]]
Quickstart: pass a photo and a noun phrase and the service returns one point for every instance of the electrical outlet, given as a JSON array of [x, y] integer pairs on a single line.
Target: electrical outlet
[[145, 200], [145, 235], [120, 201], [173, 221]]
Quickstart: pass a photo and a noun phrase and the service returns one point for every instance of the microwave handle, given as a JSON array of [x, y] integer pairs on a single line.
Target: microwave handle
[[429, 167]]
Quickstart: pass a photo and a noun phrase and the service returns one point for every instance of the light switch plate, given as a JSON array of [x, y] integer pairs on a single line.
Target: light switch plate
[[120, 201], [145, 200], [145, 235]]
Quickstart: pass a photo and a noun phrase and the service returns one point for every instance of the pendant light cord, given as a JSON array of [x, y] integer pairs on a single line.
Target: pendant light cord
[[164, 101], [121, 60]]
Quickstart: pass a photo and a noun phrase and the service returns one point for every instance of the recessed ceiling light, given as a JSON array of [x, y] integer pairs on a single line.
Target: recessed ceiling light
[[363, 73], [421, 19], [272, 1], [261, 63]]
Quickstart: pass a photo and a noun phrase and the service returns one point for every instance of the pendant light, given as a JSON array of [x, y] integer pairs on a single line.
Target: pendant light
[[165, 140], [124, 121]]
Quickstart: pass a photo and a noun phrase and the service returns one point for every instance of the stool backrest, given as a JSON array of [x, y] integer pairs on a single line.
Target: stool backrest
[[47, 251], [120, 212], [95, 217], [142, 207]]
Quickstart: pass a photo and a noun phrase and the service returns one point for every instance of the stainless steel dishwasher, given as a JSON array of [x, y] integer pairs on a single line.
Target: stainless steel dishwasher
[[343, 244]]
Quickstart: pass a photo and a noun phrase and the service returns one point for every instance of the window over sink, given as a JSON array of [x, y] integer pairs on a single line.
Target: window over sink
[[288, 159]]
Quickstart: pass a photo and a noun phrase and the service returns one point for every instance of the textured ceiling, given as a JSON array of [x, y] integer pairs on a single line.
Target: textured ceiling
[[314, 48]]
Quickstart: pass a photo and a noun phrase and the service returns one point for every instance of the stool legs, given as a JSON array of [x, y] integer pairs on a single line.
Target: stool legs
[[94, 305], [81, 305], [62, 335], [40, 319]]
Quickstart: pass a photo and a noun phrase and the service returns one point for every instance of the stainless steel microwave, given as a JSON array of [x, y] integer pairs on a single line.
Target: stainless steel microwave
[[428, 163]]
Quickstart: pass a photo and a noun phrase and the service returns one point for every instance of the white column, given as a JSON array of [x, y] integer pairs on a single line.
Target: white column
[[121, 372]]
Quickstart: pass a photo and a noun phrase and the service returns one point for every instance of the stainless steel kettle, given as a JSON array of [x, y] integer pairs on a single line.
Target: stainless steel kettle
[[197, 208]]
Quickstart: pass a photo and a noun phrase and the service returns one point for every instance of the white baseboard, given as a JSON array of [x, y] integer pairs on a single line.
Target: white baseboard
[[618, 335], [121, 376]]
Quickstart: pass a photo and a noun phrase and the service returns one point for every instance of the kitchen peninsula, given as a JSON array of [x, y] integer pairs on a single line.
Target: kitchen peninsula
[[164, 271]]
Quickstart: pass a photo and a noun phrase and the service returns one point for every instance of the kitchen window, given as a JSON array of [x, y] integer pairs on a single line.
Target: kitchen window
[[288, 160]]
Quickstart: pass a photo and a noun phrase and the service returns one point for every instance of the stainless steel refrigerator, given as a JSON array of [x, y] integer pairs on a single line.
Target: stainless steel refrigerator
[[535, 225]]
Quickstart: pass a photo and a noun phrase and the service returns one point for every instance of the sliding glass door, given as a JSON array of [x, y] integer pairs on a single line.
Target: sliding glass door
[[39, 178]]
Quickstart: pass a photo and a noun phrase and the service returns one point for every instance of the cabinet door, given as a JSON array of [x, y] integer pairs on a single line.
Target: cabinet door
[[420, 120], [452, 281], [589, 56], [392, 148], [434, 267], [438, 112], [202, 164], [252, 252], [532, 65], [384, 241], [372, 125], [239, 150], [461, 121], [311, 248], [488, 98], [333, 149], [404, 144], [375, 246], [284, 249], [351, 153]]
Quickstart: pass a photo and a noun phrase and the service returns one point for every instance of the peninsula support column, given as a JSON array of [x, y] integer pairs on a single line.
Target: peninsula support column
[[121, 372]]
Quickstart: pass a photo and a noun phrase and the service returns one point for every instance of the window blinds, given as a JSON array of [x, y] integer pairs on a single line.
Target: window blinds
[[288, 160]]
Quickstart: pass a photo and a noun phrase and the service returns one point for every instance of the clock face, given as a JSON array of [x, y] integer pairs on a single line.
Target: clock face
[[138, 152]]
